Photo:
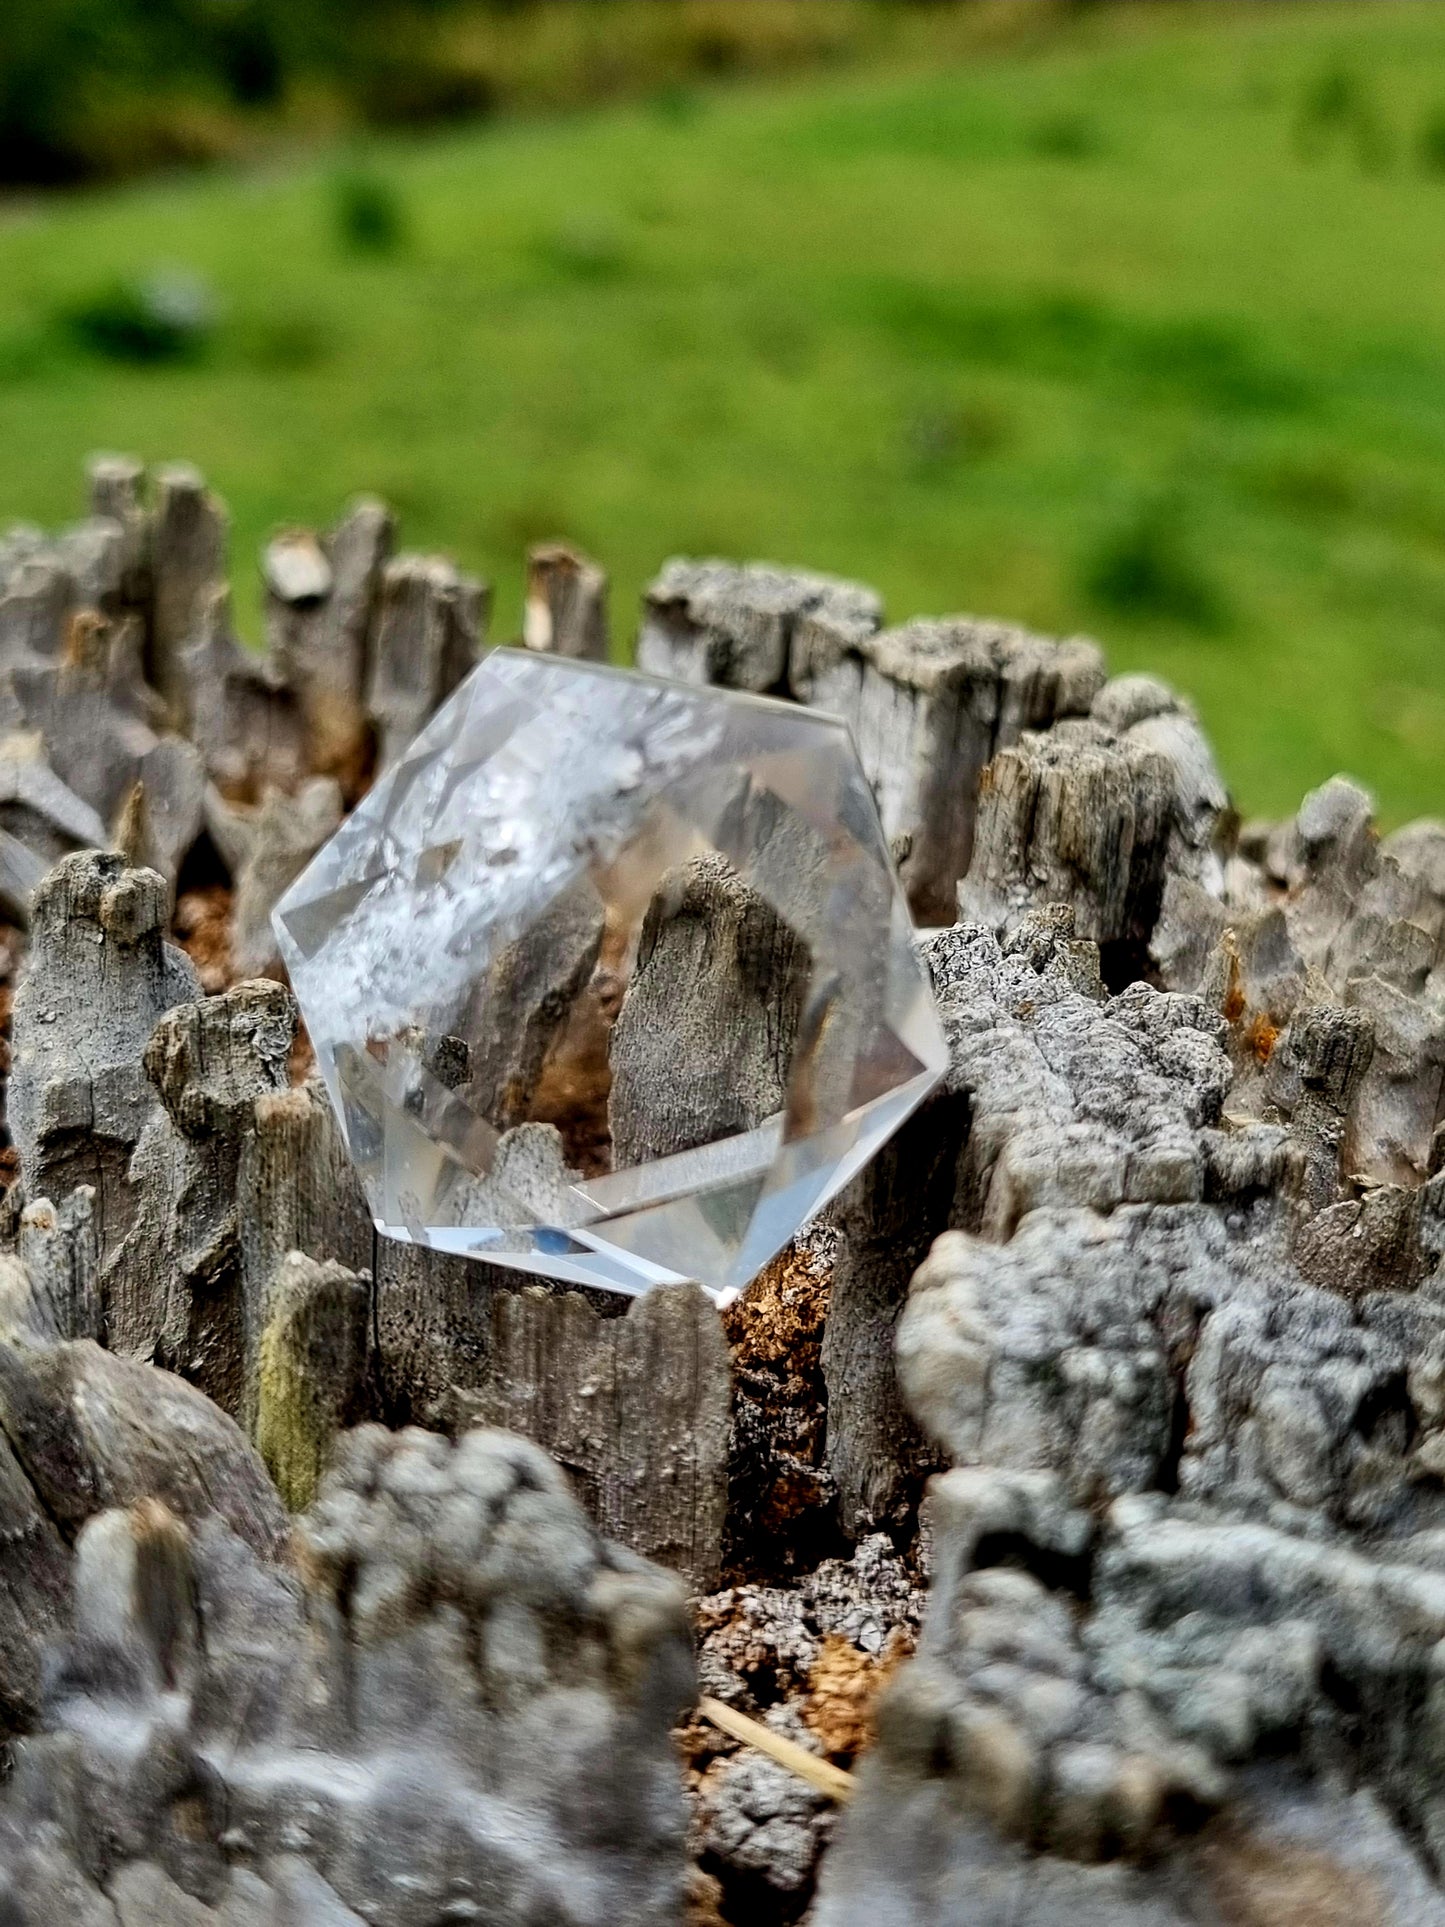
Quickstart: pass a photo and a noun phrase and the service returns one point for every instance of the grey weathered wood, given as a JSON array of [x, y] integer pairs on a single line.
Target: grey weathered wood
[[1318, 915], [34, 1593], [97, 555], [735, 623], [321, 607], [885, 1221], [427, 636], [537, 980], [98, 976], [296, 1190], [56, 1248], [238, 1170], [636, 1407], [95, 719], [703, 1043], [565, 612], [929, 705], [188, 564], [1103, 814], [246, 723], [1184, 1337], [37, 598], [413, 1710], [295, 569], [40, 812], [115, 486], [1074, 820], [93, 1429], [268, 848], [174, 1289]]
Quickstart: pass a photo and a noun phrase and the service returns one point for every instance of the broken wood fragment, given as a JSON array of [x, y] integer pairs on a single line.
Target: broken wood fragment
[[311, 1370], [565, 612], [188, 561], [428, 635]]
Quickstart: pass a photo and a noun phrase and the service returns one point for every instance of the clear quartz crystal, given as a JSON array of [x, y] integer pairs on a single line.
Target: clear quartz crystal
[[541, 1048]]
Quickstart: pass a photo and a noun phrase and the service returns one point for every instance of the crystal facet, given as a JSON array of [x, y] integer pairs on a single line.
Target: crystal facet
[[611, 978]]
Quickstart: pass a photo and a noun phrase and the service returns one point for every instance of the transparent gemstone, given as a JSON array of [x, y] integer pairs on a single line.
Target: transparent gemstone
[[612, 978]]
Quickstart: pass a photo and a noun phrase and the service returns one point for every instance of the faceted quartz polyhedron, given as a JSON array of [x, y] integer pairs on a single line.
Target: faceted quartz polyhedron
[[478, 955]]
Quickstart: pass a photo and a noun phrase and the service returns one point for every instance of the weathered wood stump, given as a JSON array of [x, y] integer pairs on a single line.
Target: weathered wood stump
[[1155, 1276]]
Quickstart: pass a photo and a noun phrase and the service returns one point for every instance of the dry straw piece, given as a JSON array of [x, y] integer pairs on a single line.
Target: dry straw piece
[[827, 1778]]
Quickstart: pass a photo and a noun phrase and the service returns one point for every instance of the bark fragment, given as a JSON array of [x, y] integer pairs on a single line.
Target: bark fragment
[[267, 849], [244, 719], [636, 1407], [1098, 813]]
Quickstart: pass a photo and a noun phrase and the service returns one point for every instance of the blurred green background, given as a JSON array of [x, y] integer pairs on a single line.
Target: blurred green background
[[1119, 318]]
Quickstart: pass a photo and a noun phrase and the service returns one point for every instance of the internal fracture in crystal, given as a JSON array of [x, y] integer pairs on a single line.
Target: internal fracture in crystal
[[611, 978]]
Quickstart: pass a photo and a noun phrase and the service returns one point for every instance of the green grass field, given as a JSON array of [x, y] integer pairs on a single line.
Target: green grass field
[[1135, 326]]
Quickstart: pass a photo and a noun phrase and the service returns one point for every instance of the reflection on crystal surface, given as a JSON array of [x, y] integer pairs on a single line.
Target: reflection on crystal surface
[[611, 978]]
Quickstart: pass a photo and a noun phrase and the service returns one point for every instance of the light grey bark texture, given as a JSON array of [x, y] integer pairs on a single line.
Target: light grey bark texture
[[296, 1190], [40, 821], [82, 1429], [1192, 1485], [117, 653], [885, 1221], [53, 1292], [1096, 814], [176, 1289], [930, 704], [539, 977], [210, 1171], [242, 717], [93, 715], [267, 849], [311, 1377], [635, 1406]]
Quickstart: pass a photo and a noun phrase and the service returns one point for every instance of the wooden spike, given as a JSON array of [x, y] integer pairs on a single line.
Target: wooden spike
[[133, 838]]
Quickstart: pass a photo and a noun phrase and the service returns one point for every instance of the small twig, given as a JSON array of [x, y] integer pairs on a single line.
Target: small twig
[[826, 1777]]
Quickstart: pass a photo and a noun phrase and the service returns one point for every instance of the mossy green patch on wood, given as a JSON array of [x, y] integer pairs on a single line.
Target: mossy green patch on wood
[[310, 1368]]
